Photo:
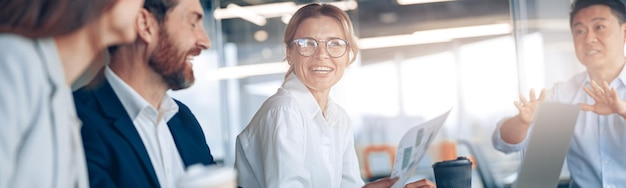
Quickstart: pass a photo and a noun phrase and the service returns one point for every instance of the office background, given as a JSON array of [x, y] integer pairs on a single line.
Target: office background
[[416, 61]]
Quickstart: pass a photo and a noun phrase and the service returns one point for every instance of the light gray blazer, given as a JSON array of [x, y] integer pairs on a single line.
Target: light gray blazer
[[40, 143]]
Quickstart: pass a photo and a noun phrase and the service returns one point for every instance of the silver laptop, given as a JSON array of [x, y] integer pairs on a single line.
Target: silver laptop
[[547, 145]]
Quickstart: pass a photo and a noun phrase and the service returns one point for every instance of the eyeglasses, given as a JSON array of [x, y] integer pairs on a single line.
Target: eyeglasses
[[308, 46]]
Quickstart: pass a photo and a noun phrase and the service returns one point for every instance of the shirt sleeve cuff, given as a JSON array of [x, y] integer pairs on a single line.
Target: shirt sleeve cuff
[[503, 146]]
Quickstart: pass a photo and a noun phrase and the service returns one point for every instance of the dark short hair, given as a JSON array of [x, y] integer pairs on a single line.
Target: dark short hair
[[617, 8], [159, 8]]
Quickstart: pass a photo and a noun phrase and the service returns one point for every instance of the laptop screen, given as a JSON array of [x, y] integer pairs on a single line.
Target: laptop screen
[[547, 145]]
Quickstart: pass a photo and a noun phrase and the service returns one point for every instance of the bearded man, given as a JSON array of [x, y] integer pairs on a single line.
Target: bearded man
[[134, 134]]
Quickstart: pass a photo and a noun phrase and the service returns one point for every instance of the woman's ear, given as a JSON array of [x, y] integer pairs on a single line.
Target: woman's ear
[[145, 26], [351, 58], [289, 57]]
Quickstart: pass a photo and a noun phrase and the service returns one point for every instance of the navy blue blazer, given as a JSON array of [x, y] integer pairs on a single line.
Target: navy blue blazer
[[116, 156]]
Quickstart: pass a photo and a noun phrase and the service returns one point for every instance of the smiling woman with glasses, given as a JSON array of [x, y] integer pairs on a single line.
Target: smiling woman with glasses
[[300, 137]]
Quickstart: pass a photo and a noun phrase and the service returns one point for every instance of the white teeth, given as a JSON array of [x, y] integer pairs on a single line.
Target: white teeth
[[591, 52], [321, 70]]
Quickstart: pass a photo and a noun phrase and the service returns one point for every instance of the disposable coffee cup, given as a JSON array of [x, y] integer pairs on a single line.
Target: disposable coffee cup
[[214, 176], [453, 173]]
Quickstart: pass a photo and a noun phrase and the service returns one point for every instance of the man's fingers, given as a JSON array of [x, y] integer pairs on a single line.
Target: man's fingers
[[606, 90], [613, 94], [542, 95], [605, 86], [523, 100], [597, 88], [612, 97], [518, 105], [586, 107], [532, 96], [590, 92]]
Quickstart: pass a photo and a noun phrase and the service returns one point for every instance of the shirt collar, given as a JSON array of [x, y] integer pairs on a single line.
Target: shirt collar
[[301, 94], [133, 102], [622, 77], [620, 80], [304, 97], [169, 108]]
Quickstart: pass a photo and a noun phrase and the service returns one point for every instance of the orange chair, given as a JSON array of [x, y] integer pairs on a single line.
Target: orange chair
[[390, 150]]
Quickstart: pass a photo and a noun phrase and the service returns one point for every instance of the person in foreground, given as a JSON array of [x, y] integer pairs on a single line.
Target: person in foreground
[[596, 152], [44, 47], [134, 134], [300, 137]]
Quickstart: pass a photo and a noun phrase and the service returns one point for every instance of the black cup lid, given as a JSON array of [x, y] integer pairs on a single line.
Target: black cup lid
[[459, 161]]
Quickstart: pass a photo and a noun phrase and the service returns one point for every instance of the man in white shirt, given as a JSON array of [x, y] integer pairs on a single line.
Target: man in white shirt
[[135, 135], [595, 157]]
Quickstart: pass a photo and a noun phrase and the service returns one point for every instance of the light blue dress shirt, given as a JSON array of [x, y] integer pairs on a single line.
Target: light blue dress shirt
[[597, 153], [40, 143]]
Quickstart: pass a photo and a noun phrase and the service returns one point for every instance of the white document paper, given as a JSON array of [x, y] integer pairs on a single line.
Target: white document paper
[[413, 146]]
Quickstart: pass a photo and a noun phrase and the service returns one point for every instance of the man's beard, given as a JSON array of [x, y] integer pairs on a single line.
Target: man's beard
[[171, 63]]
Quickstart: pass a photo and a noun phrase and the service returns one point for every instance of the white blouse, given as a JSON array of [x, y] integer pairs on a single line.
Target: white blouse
[[289, 143]]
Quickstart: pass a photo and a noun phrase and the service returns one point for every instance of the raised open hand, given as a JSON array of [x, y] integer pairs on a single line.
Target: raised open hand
[[527, 108], [606, 100]]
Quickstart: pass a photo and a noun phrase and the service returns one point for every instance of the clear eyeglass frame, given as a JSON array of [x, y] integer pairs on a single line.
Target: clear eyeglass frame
[[308, 46]]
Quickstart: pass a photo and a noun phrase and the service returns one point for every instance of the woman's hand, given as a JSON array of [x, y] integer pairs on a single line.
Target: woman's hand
[[424, 183], [387, 182]]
